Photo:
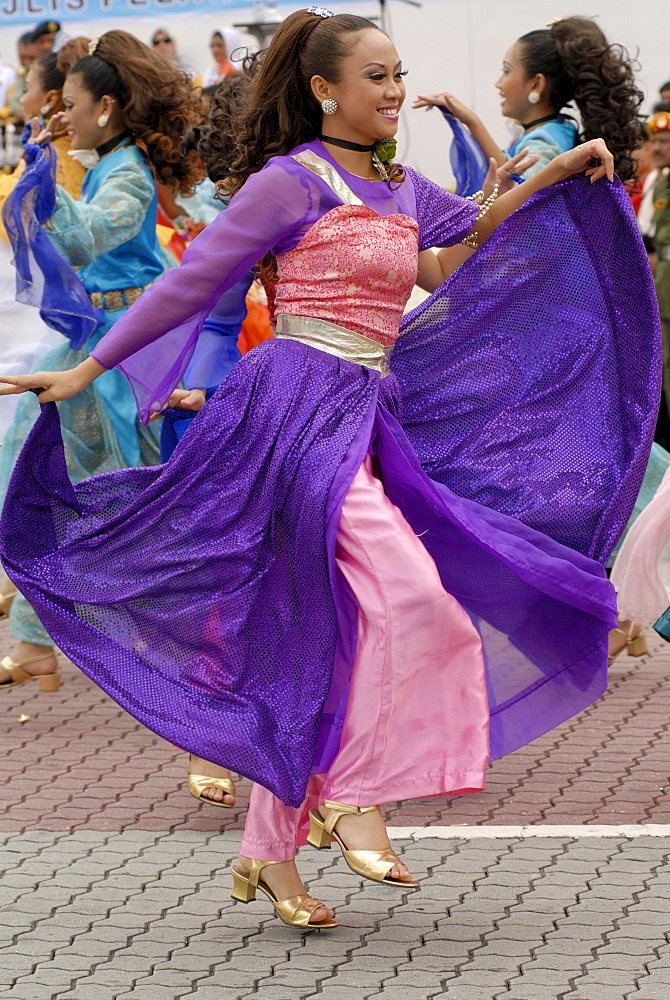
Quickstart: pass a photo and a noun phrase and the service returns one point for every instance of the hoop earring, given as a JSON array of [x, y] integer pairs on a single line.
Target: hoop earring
[[329, 106], [102, 120], [533, 97]]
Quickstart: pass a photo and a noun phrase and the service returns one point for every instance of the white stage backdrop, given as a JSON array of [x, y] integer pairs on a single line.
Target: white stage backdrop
[[446, 44]]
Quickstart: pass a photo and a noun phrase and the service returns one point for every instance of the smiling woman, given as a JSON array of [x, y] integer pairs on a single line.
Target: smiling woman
[[291, 595]]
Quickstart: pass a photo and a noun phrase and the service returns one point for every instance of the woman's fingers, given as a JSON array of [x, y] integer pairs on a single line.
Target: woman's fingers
[[11, 384], [430, 100]]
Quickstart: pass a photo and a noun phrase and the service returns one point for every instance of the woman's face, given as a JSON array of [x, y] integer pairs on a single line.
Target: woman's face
[[35, 95], [82, 113], [371, 90], [218, 47], [514, 86], [164, 45]]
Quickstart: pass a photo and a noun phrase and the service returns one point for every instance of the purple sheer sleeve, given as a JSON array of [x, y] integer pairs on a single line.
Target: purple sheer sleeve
[[153, 342], [444, 218]]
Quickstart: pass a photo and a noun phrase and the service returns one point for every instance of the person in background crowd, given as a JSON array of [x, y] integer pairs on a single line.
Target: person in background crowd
[[163, 43], [545, 70], [44, 37], [658, 128], [27, 52], [640, 571], [43, 98], [228, 50], [664, 93], [7, 81]]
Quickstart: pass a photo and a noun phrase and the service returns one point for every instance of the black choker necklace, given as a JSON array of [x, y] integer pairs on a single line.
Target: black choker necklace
[[538, 121], [356, 146], [111, 144]]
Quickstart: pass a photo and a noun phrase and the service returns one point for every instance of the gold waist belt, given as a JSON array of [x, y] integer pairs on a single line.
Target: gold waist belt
[[334, 339], [119, 299]]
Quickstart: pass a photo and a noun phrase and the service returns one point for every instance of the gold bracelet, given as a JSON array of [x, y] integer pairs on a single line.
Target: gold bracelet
[[472, 239]]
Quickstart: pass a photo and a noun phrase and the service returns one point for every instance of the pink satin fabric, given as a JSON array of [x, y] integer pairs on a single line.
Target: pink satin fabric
[[641, 572], [417, 714]]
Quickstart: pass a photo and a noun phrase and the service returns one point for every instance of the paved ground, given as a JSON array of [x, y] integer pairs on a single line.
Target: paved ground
[[115, 881]]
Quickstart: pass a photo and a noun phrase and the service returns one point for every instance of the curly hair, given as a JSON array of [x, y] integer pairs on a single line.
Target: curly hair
[[580, 65], [279, 110], [214, 139], [156, 103], [71, 52]]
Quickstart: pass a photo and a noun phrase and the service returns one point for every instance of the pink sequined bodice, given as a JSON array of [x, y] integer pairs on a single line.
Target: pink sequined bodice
[[354, 268]]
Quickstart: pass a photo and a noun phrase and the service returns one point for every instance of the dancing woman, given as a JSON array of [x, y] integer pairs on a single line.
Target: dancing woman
[[44, 97], [291, 596], [115, 97], [570, 62]]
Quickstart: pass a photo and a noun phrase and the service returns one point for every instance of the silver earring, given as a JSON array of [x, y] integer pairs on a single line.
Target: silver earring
[[45, 110], [102, 120], [329, 106], [533, 97]]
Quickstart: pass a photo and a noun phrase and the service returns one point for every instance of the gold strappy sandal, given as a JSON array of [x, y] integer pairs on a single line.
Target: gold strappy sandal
[[198, 783], [6, 604], [17, 675], [635, 645], [374, 865], [295, 911]]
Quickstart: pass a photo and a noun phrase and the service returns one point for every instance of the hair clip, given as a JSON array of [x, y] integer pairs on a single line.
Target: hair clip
[[92, 46], [321, 11], [557, 20]]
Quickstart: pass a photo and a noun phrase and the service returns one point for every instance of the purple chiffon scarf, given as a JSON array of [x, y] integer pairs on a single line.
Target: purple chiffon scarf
[[531, 378]]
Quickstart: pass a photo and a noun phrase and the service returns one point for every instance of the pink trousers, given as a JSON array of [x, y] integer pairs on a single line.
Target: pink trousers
[[417, 715]]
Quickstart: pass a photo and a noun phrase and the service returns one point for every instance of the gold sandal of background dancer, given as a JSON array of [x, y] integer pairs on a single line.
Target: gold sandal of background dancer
[[374, 865], [17, 675], [295, 911], [6, 604], [198, 783], [635, 645]]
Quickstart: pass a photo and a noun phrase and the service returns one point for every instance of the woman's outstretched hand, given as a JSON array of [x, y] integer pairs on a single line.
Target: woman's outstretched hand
[[52, 128], [448, 101], [592, 158], [183, 399], [504, 176], [54, 385]]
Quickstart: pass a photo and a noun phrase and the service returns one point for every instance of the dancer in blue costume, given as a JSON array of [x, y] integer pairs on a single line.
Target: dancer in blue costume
[[571, 61], [226, 598], [109, 235]]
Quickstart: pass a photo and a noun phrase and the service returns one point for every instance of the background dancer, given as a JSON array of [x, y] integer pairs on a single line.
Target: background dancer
[[570, 62], [119, 94]]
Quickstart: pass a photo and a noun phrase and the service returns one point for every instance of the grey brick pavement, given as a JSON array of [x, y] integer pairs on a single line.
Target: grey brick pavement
[[147, 916]]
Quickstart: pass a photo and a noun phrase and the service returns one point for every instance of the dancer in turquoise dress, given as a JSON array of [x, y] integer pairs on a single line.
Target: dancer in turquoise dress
[[543, 72], [109, 236]]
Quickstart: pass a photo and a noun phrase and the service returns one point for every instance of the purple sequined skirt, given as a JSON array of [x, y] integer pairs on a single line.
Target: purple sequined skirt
[[202, 595]]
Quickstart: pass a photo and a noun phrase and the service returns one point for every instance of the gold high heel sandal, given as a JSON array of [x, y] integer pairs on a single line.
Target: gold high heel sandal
[[374, 865], [48, 682], [295, 911], [6, 604], [198, 783], [635, 645]]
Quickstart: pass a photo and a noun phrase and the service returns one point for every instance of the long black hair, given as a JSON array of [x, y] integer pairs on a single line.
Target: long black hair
[[581, 66]]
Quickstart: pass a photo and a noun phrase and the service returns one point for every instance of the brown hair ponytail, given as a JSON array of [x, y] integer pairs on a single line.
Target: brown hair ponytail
[[156, 103], [581, 66], [280, 111]]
